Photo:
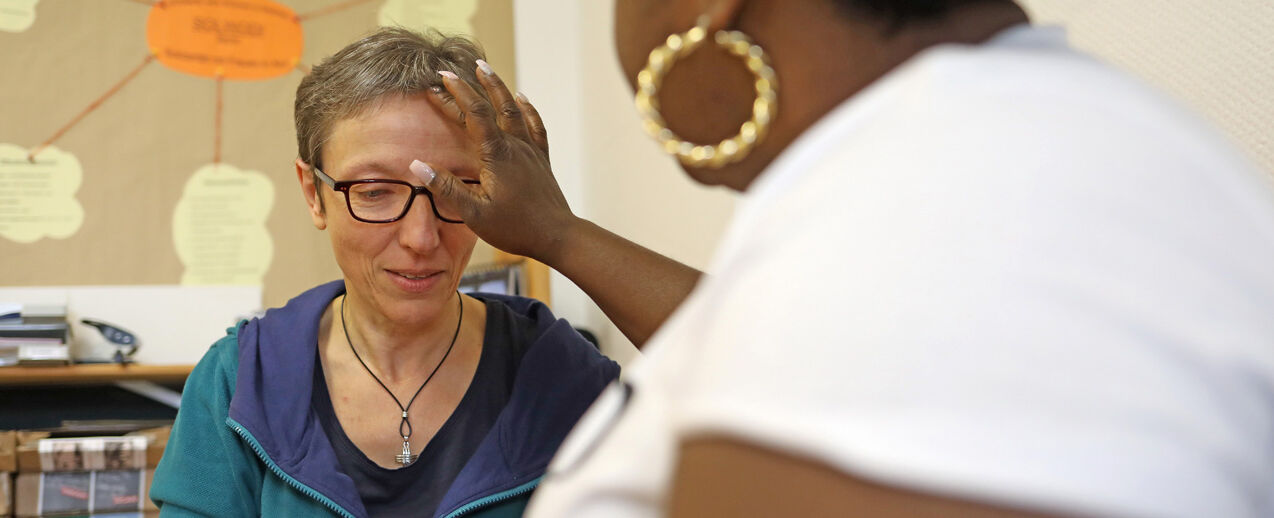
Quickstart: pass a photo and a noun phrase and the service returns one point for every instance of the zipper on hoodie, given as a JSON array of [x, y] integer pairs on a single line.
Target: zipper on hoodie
[[495, 499], [304, 489]]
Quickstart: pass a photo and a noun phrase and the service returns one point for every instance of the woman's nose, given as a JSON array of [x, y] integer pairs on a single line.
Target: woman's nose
[[419, 229]]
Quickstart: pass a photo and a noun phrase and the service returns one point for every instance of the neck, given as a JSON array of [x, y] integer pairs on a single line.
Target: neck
[[398, 352], [823, 56]]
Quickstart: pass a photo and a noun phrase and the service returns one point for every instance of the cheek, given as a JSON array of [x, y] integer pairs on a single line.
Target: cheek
[[632, 46], [459, 243], [355, 244]]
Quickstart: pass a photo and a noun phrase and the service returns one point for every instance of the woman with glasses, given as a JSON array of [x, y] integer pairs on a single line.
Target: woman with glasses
[[386, 393], [973, 272]]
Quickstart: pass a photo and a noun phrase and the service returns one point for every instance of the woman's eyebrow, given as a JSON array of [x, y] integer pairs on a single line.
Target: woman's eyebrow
[[369, 169], [376, 169]]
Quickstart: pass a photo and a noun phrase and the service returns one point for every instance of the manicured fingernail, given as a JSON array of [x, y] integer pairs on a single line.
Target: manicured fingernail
[[448, 74], [423, 171], [522, 98], [485, 67]]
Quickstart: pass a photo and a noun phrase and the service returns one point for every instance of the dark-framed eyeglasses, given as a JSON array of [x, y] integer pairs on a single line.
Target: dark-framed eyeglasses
[[384, 200]]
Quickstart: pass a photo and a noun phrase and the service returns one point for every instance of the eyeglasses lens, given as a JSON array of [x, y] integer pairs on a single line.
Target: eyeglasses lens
[[384, 201]]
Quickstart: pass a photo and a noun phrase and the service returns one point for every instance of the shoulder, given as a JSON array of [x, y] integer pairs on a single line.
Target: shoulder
[[525, 308], [1000, 149], [557, 375], [1050, 101], [531, 319], [214, 376], [545, 342], [989, 251], [225, 351]]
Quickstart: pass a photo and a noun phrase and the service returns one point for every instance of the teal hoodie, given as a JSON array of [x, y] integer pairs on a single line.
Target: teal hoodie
[[247, 443]]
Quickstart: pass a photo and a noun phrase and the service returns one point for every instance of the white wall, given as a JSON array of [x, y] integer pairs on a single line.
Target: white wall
[[174, 324], [1215, 55]]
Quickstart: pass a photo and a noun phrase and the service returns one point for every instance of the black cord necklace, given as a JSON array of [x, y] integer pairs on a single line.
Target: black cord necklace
[[404, 428]]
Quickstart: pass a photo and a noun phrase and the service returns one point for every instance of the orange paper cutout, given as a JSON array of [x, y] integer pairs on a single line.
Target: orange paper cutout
[[231, 39]]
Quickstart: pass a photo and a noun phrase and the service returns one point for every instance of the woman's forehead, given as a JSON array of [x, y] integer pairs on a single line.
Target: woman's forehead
[[395, 125], [397, 109]]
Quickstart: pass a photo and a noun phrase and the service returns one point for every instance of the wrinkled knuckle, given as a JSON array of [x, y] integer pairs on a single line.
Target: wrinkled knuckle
[[480, 109], [446, 188], [510, 110]]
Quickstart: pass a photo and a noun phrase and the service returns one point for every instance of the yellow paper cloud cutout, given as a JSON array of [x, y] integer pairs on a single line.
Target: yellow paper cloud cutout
[[448, 16], [17, 15], [37, 200], [219, 226]]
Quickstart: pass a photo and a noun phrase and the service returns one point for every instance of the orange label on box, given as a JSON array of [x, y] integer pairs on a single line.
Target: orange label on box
[[234, 39]]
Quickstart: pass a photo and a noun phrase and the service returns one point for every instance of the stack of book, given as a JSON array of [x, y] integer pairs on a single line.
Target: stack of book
[[34, 335], [77, 476]]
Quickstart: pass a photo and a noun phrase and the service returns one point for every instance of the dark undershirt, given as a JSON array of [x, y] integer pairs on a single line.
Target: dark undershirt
[[416, 490]]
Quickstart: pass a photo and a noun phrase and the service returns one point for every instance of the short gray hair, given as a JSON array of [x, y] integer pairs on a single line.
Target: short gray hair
[[389, 61]]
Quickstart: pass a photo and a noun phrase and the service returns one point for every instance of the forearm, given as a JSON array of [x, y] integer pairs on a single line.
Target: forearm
[[636, 287]]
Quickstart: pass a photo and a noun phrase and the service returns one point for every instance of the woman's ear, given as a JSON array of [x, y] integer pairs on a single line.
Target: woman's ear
[[309, 189]]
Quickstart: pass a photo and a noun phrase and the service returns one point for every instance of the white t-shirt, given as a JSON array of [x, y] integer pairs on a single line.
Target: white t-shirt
[[1005, 273]]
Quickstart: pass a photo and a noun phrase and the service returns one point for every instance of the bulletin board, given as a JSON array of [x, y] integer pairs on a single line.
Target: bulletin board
[[119, 167]]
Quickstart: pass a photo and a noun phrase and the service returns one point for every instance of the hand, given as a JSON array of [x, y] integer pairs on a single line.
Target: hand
[[518, 207]]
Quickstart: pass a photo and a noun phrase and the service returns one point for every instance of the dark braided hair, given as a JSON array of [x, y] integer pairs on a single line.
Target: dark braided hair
[[899, 13]]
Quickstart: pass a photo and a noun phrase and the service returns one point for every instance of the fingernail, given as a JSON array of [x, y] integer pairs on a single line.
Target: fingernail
[[423, 171], [448, 74], [485, 67], [522, 98]]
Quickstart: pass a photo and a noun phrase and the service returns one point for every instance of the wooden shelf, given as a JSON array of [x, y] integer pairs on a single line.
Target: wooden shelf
[[92, 374]]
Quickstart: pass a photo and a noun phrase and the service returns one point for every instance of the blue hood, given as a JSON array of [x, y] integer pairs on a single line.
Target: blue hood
[[558, 378]]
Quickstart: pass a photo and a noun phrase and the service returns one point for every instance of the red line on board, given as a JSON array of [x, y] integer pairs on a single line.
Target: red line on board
[[92, 106], [216, 143]]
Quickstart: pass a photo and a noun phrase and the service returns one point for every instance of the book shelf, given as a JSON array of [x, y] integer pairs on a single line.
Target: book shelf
[[532, 276], [92, 374], [536, 284], [49, 397]]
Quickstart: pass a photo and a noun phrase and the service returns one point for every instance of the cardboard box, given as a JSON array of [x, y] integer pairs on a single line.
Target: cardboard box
[[76, 493], [8, 464], [6, 494], [8, 451], [37, 452]]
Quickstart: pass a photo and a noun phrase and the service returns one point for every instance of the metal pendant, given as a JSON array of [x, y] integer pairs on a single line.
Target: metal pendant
[[404, 430], [405, 458]]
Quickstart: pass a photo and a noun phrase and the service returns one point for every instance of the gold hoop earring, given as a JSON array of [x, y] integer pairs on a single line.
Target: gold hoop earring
[[750, 133]]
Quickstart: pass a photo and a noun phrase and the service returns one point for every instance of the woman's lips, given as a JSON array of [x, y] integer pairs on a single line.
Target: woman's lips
[[415, 281]]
